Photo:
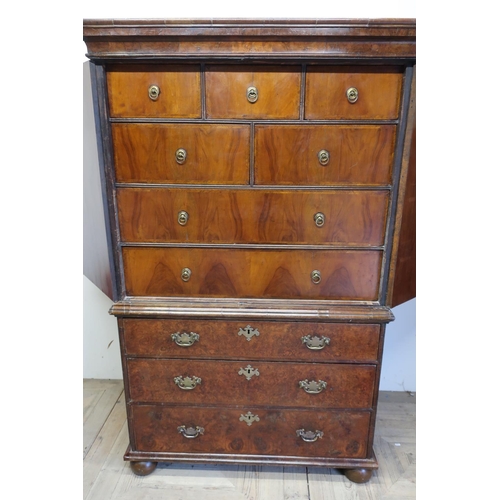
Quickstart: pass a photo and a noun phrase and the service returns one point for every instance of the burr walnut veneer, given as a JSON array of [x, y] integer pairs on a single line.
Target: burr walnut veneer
[[253, 176]]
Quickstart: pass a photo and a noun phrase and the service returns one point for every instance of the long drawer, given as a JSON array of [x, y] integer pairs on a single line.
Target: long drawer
[[327, 434], [252, 216], [305, 385], [282, 341], [263, 273]]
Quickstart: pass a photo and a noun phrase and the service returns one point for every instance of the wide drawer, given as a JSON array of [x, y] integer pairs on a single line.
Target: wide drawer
[[250, 340], [181, 153], [169, 91], [241, 272], [324, 154], [277, 432], [253, 92], [375, 93], [252, 216], [303, 385]]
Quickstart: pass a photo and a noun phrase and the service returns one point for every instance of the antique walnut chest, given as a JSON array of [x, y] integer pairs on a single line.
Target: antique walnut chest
[[253, 176]]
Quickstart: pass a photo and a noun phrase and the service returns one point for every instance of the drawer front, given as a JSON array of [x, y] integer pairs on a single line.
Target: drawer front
[[355, 155], [237, 272], [251, 340], [344, 434], [213, 153], [304, 385], [378, 93], [252, 216], [179, 91], [277, 92]]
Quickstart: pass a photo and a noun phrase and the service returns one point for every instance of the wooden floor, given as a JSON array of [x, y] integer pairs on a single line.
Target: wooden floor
[[106, 476]]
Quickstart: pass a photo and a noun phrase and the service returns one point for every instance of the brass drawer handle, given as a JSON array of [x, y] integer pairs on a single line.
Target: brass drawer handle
[[190, 432], [248, 332], [154, 92], [316, 277], [352, 95], [319, 219], [324, 157], [252, 94], [187, 383], [180, 156], [182, 217], [312, 387], [249, 418], [185, 274], [185, 339], [249, 372], [309, 436], [315, 343]]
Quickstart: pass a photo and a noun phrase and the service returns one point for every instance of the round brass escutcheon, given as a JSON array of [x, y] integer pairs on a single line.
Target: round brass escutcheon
[[319, 219], [324, 157], [352, 95], [316, 277], [180, 156], [154, 92], [185, 274], [182, 217], [252, 94]]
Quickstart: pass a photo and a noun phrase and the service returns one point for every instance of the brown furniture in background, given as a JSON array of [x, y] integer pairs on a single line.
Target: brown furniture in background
[[254, 177]]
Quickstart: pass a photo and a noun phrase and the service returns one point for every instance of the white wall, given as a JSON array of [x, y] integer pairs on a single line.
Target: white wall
[[101, 361]]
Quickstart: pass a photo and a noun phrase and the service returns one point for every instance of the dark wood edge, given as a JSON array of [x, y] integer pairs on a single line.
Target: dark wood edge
[[279, 310], [338, 463], [410, 124], [397, 194], [373, 418]]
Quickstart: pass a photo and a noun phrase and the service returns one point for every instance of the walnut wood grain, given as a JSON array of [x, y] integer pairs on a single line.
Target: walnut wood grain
[[278, 91], [348, 386], [252, 273], [345, 433], [246, 39], [180, 91], [215, 153], [281, 341], [359, 155], [252, 216], [379, 92]]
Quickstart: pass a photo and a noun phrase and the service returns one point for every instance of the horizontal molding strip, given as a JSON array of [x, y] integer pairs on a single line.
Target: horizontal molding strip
[[256, 121], [273, 187], [365, 312], [252, 246]]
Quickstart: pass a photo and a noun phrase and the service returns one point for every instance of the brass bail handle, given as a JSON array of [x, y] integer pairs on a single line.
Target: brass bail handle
[[323, 157], [352, 95], [154, 92], [316, 277], [185, 274], [180, 156], [319, 219], [252, 94], [182, 217]]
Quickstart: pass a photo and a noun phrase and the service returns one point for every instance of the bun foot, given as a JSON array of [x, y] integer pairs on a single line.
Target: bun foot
[[143, 468], [358, 475]]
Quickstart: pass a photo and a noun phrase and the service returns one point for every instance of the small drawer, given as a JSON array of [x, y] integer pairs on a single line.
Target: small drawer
[[181, 153], [279, 341], [252, 216], [165, 91], [302, 385], [253, 92], [327, 434], [353, 93], [324, 154], [251, 273]]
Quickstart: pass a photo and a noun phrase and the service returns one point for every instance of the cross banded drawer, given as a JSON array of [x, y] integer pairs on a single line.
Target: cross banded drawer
[[156, 91]]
